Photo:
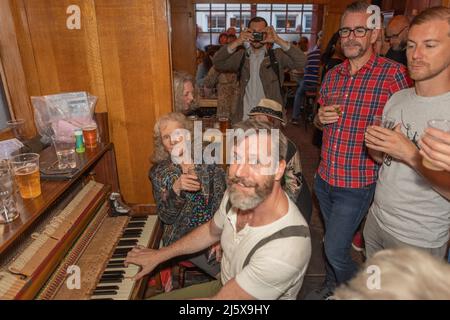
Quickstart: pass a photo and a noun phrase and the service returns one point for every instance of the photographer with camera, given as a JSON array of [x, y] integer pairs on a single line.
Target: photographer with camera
[[260, 70]]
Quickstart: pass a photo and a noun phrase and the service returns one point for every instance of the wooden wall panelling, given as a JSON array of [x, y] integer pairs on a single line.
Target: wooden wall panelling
[[183, 40], [14, 76], [66, 59], [134, 50]]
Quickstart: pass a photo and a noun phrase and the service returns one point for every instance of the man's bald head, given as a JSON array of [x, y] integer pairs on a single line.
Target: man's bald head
[[397, 32]]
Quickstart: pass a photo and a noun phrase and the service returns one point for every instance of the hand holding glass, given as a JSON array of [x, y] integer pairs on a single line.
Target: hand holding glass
[[383, 121], [439, 124]]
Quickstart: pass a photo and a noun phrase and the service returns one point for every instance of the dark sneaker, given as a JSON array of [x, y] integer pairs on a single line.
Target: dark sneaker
[[294, 121], [323, 293]]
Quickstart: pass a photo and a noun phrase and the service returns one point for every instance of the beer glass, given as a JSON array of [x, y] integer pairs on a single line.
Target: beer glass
[[383, 121], [26, 172], [65, 151], [440, 124], [90, 136], [8, 207], [224, 124], [17, 126]]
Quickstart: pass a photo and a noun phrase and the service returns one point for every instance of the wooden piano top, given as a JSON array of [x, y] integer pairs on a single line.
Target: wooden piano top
[[31, 209]]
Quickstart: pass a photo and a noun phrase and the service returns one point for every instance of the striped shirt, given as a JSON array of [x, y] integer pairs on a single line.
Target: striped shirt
[[345, 161], [311, 77]]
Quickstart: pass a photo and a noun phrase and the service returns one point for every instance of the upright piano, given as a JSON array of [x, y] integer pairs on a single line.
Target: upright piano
[[67, 245]]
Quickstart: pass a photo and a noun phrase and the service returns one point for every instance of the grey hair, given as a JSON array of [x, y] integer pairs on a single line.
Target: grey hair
[[404, 274], [258, 125], [356, 7], [179, 79], [159, 153]]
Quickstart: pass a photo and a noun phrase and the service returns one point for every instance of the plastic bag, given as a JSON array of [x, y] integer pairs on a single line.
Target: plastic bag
[[61, 114]]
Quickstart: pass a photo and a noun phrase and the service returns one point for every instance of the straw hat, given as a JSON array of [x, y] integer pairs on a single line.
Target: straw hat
[[268, 108]]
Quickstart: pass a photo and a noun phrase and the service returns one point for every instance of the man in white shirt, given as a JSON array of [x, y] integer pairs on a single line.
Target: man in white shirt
[[265, 240]]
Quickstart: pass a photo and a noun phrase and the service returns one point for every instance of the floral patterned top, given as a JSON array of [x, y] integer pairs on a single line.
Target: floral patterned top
[[183, 213]]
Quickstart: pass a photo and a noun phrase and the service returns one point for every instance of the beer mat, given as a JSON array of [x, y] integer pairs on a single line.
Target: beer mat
[[52, 172]]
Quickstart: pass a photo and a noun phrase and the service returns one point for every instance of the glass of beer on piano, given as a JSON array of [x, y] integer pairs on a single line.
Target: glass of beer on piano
[[440, 124], [8, 207], [26, 171], [65, 150], [90, 136]]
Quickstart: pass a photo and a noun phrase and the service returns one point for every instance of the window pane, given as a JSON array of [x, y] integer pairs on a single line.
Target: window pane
[[234, 20], [246, 6], [4, 110], [233, 6], [202, 21], [295, 7], [217, 6], [202, 6], [294, 22], [279, 7], [290, 36], [217, 22], [308, 7], [307, 22], [263, 6], [280, 22]]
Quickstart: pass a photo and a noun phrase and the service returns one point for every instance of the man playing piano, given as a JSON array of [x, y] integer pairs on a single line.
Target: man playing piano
[[265, 240]]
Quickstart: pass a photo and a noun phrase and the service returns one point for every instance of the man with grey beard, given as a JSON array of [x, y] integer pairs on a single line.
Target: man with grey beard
[[265, 240], [351, 95]]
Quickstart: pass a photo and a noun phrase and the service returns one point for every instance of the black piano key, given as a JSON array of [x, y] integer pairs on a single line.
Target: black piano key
[[136, 225], [136, 234], [133, 219], [133, 229], [110, 281], [129, 236], [119, 255], [103, 288], [116, 266], [114, 272], [121, 250], [112, 277], [104, 293], [127, 242]]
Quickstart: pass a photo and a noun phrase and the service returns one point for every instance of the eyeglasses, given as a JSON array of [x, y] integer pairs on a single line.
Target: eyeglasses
[[359, 32], [394, 36]]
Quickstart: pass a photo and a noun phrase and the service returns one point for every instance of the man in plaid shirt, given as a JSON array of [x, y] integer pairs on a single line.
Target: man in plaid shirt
[[351, 94]]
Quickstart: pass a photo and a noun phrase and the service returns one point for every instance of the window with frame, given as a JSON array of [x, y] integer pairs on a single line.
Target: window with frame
[[291, 21]]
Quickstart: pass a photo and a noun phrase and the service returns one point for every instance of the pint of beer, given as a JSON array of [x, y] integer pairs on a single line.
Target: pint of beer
[[90, 136], [224, 124], [26, 172]]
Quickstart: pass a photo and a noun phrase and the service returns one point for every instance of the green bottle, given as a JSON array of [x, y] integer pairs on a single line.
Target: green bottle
[[79, 144]]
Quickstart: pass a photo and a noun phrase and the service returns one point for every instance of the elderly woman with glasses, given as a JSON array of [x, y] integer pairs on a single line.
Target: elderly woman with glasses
[[186, 194]]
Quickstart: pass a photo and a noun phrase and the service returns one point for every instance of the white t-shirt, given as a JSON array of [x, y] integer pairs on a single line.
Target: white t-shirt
[[276, 270], [405, 204]]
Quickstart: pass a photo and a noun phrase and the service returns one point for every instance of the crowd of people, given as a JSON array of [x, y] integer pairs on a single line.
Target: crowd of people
[[383, 169]]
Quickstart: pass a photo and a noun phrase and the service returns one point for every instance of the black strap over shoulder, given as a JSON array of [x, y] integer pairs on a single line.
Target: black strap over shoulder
[[291, 231], [275, 67]]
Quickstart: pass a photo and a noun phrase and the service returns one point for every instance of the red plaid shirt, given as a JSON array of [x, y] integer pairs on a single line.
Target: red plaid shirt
[[345, 161]]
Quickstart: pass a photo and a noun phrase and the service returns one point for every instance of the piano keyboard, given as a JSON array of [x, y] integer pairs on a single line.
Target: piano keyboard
[[115, 283]]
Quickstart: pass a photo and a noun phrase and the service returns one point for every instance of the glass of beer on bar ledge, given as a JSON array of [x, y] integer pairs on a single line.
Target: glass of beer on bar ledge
[[26, 171], [90, 136]]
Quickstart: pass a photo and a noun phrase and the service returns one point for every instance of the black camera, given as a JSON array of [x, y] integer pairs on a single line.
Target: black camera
[[258, 36]]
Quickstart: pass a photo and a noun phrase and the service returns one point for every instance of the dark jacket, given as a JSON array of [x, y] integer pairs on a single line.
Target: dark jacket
[[293, 58]]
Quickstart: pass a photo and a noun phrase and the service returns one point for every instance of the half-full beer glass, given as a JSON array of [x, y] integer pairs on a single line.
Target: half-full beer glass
[[26, 171]]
